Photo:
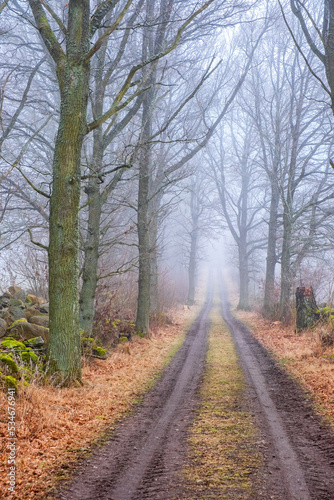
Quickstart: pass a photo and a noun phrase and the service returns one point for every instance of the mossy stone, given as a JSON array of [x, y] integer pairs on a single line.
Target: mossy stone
[[8, 361], [10, 382], [12, 344]]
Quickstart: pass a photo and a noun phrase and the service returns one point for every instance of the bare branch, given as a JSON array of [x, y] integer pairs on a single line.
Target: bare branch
[[40, 245], [100, 12], [54, 16], [297, 12], [46, 32], [302, 53], [108, 31]]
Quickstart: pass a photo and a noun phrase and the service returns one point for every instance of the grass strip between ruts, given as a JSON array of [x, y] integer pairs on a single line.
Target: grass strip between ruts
[[224, 458]]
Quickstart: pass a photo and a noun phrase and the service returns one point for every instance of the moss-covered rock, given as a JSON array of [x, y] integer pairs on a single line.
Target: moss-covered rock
[[16, 308], [3, 327], [34, 343], [90, 346], [31, 311], [17, 322], [32, 299], [99, 351], [10, 343], [7, 362], [10, 382], [27, 331]]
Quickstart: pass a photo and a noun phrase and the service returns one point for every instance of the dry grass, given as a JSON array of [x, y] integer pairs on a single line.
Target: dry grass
[[56, 426], [224, 457], [303, 355]]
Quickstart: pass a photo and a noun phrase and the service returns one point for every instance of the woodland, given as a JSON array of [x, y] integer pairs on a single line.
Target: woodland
[[141, 138], [161, 163]]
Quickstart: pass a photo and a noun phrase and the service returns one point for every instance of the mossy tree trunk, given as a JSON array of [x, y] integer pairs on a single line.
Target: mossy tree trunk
[[64, 348], [92, 240], [144, 277], [73, 71]]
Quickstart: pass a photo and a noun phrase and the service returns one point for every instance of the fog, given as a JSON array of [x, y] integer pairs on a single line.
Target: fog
[[184, 137]]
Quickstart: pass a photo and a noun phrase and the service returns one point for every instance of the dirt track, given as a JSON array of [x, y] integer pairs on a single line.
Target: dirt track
[[143, 459], [299, 448], [147, 450]]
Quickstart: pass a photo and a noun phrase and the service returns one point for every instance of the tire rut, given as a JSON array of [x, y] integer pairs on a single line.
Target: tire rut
[[299, 447], [147, 450]]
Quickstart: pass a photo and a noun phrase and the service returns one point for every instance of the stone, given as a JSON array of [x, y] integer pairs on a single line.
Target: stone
[[26, 331], [44, 308], [13, 289], [16, 309], [34, 343], [20, 295], [40, 320], [4, 314], [32, 299], [31, 311], [3, 327], [4, 301]]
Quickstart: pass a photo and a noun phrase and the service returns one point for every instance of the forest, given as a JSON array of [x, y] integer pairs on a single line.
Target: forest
[[157, 159]]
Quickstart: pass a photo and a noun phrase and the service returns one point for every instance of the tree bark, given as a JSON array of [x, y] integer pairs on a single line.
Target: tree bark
[[154, 285], [95, 202], [64, 349]]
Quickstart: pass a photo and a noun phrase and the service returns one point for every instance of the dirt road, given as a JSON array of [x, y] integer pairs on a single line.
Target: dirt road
[[147, 450], [299, 448], [145, 456]]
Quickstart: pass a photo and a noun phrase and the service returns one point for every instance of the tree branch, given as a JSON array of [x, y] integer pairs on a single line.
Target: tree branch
[[46, 32], [297, 12], [54, 16], [40, 245], [108, 32], [128, 81], [100, 12]]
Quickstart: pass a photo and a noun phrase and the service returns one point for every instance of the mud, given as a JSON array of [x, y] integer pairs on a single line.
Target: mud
[[298, 446], [146, 454]]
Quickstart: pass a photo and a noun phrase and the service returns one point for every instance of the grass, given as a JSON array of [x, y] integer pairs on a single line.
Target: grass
[[302, 355], [55, 427], [223, 455]]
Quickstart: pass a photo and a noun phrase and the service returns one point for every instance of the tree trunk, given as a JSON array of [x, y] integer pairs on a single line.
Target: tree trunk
[[64, 350], [91, 257], [154, 285], [286, 279], [243, 276], [243, 233], [269, 287], [144, 278], [192, 267], [95, 203]]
